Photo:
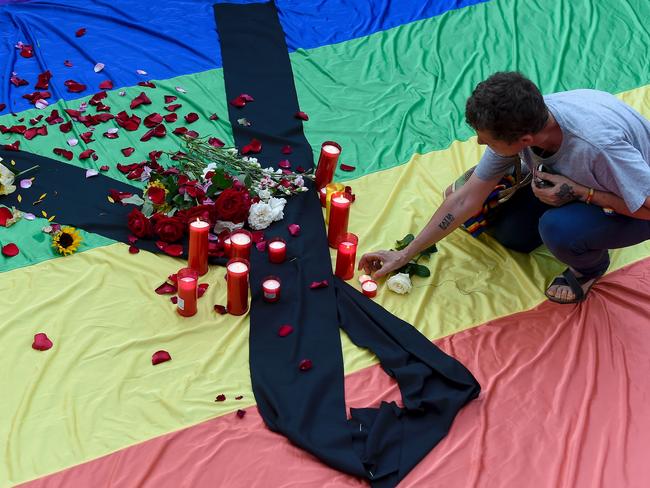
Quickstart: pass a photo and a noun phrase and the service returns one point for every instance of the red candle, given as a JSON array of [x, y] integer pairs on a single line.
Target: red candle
[[323, 196], [369, 288], [329, 156], [240, 244], [277, 250], [188, 279], [226, 246], [339, 216], [271, 288], [237, 273], [346, 256], [198, 255], [330, 189]]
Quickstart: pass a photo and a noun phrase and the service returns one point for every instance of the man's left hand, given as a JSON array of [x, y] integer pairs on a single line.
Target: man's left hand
[[563, 190]]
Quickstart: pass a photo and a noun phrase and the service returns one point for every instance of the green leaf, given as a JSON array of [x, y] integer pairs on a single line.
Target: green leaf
[[430, 250], [420, 270], [219, 180], [408, 238]]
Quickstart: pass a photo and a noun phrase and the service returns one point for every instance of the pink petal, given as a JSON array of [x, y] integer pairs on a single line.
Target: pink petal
[[181, 90], [301, 116], [285, 330], [98, 67], [141, 71], [29, 216], [10, 250], [287, 149], [284, 164], [160, 357], [41, 342], [261, 246], [319, 284], [26, 183], [73, 142], [41, 104], [214, 117], [103, 167], [294, 229]]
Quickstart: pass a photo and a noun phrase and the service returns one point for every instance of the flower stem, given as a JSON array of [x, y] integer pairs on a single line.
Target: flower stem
[[25, 171]]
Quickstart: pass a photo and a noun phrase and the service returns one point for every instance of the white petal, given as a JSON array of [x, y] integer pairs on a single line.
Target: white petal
[[91, 172], [40, 103], [26, 183], [141, 71], [72, 142], [99, 67], [29, 216], [181, 89]]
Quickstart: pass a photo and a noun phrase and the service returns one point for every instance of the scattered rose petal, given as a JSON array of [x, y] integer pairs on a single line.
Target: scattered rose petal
[[294, 229], [284, 164], [41, 342], [67, 127], [29, 216], [255, 146], [347, 167], [285, 330], [133, 250], [98, 67], [214, 117], [152, 120], [106, 85], [181, 90], [26, 183], [160, 357], [10, 250], [158, 131], [166, 289], [12, 147], [305, 365], [5, 215], [216, 142], [244, 122], [175, 250], [67, 63], [287, 149], [220, 398], [173, 117], [41, 104], [192, 117], [241, 413], [103, 167], [64, 153], [27, 51], [80, 32], [301, 116], [192, 133], [87, 153], [141, 99], [174, 299], [127, 151], [141, 71], [91, 172], [173, 107], [111, 135], [319, 284], [73, 142], [74, 86], [201, 289], [238, 102], [220, 309], [170, 98], [239, 397], [261, 246], [148, 84]]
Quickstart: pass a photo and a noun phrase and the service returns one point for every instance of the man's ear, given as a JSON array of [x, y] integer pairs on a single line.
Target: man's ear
[[526, 140]]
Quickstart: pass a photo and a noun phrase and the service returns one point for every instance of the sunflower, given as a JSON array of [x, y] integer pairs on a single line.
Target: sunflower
[[66, 241]]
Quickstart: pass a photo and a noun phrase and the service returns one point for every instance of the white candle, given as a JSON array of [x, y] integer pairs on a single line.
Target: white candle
[[328, 148], [238, 267], [241, 239], [277, 245], [272, 284]]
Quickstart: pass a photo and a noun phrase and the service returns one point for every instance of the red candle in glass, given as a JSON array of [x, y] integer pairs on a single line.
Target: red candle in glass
[[271, 287], [339, 216], [329, 156], [240, 244], [198, 254], [226, 246], [346, 256], [369, 288], [277, 250], [188, 279], [237, 273], [323, 196]]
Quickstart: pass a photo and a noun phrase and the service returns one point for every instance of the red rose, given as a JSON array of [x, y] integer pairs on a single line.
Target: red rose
[[139, 225], [208, 213], [156, 195], [169, 229], [232, 205]]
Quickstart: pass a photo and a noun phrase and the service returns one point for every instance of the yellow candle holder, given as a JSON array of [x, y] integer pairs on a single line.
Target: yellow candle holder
[[331, 188]]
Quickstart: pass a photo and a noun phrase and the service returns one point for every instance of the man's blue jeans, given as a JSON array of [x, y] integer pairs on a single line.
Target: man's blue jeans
[[577, 234]]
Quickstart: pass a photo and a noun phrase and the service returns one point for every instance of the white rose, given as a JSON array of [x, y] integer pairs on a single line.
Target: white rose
[[260, 215], [277, 205], [264, 194], [6, 181], [400, 283]]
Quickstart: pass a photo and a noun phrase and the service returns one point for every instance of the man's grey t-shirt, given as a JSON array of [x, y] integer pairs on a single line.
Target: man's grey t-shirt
[[605, 146]]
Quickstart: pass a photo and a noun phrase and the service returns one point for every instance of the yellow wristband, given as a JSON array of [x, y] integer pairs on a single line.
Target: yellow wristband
[[590, 196]]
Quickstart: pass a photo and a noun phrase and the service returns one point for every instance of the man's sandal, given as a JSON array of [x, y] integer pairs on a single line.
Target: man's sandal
[[572, 281]]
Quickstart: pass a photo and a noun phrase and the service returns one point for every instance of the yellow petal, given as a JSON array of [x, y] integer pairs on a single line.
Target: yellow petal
[[19, 198], [51, 218], [42, 196], [43, 213], [110, 199]]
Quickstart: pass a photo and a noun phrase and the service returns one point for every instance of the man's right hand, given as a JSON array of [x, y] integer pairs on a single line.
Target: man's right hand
[[380, 263]]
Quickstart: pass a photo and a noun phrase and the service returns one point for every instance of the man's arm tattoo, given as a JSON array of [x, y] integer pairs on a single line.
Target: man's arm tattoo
[[566, 193], [446, 221]]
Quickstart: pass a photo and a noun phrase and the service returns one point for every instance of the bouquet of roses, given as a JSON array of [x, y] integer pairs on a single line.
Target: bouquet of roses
[[210, 182]]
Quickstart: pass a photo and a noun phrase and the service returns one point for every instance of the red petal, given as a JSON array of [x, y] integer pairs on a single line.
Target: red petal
[[129, 123], [132, 239], [41, 342], [153, 120], [43, 82], [173, 299], [173, 278], [133, 250], [140, 100], [192, 133], [160, 357], [170, 98], [179, 131], [148, 84], [202, 288], [287, 149], [111, 135], [63, 152], [27, 51], [5, 214], [86, 137], [16, 81], [305, 365], [12, 147], [220, 398], [301, 116], [166, 289], [161, 245], [319, 284], [175, 250], [80, 32], [192, 117], [173, 117], [261, 246], [10, 250], [2, 106], [254, 147], [106, 85], [220, 309], [239, 397], [54, 118], [74, 86], [103, 168], [216, 142], [214, 117], [241, 413], [127, 151], [257, 235], [347, 167], [173, 108], [285, 330], [67, 63], [67, 127], [238, 102], [86, 154], [284, 164], [294, 229]]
